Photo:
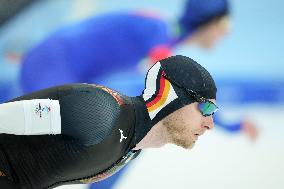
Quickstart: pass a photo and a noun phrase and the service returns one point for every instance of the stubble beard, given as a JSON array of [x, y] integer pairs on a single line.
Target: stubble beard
[[178, 132]]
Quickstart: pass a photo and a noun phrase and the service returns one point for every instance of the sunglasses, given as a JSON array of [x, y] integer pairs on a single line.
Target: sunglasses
[[205, 106]]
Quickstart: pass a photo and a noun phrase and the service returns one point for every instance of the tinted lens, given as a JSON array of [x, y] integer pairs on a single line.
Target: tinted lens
[[207, 108]]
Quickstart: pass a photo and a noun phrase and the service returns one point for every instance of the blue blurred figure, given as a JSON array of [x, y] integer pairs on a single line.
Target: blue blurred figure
[[117, 41]]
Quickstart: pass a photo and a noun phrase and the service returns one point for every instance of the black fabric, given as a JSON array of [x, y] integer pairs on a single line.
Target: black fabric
[[8, 184], [5, 168], [170, 108], [143, 121], [190, 75], [78, 104], [38, 161], [184, 74], [77, 114], [89, 143]]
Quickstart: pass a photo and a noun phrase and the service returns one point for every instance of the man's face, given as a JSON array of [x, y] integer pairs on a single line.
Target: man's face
[[209, 35], [214, 31], [186, 125]]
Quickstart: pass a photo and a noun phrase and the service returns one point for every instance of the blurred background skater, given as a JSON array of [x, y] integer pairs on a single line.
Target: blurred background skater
[[86, 50]]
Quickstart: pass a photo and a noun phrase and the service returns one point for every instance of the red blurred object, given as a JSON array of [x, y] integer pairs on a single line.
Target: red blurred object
[[14, 57], [158, 53]]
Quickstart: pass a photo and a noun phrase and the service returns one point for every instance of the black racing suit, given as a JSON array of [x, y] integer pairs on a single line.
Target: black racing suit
[[89, 147]]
